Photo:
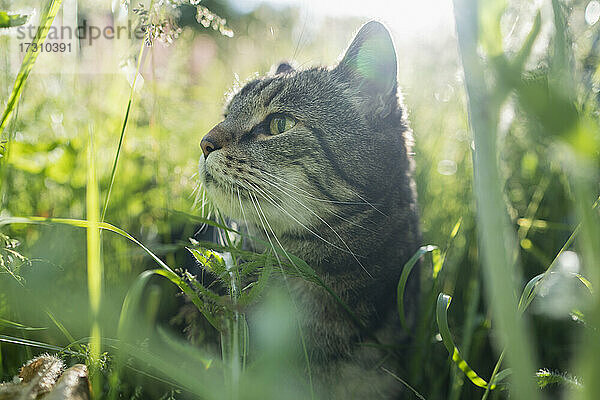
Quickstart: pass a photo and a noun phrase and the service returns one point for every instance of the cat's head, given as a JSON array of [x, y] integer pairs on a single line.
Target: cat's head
[[300, 146]]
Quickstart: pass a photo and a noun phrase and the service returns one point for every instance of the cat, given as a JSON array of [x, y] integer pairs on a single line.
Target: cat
[[319, 162]]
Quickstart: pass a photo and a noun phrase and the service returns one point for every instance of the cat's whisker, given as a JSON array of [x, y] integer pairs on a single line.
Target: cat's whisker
[[241, 206], [311, 196], [200, 202], [366, 201], [290, 193], [195, 192], [205, 205], [280, 207], [336, 233], [348, 250], [257, 206], [274, 204], [221, 232]]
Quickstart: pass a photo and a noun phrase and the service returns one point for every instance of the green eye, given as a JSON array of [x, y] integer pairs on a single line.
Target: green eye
[[280, 124]]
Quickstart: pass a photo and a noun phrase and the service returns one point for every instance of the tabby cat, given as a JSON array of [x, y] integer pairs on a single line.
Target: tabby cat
[[319, 162]]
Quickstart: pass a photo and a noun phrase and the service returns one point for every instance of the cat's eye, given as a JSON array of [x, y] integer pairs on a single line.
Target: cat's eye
[[280, 124]]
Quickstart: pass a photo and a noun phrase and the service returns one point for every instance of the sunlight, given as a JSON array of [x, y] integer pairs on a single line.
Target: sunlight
[[407, 18]]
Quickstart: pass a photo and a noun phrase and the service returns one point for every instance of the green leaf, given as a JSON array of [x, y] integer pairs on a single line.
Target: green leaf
[[206, 293], [406, 272], [518, 62], [259, 285], [443, 302], [9, 324], [548, 105], [210, 260], [11, 20], [130, 306], [529, 292], [456, 229]]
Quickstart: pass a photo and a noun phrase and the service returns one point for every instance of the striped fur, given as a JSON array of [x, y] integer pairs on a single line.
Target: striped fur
[[336, 190]]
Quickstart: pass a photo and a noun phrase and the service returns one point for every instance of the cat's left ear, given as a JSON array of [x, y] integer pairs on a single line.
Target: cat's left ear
[[283, 68], [370, 63]]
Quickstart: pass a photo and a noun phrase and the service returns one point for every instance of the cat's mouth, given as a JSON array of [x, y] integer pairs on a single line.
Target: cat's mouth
[[253, 195]]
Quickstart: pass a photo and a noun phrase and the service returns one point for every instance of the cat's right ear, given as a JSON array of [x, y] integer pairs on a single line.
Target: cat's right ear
[[369, 65]]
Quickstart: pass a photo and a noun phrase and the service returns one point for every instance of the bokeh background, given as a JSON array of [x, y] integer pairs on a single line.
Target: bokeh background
[[179, 94]]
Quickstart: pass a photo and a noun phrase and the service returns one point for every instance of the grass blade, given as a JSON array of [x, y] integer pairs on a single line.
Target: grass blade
[[123, 127], [33, 343], [441, 314], [46, 20], [408, 267], [80, 223], [402, 381], [15, 325], [495, 234], [94, 265], [166, 271]]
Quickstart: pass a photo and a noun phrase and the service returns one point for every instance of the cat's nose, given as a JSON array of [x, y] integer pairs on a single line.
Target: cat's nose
[[216, 139], [208, 146]]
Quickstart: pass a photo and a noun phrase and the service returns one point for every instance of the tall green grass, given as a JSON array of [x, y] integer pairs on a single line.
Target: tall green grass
[[497, 240], [94, 265], [478, 27], [467, 262]]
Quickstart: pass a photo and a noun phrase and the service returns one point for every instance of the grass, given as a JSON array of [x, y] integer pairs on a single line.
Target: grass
[[47, 18], [94, 266], [496, 226], [497, 239]]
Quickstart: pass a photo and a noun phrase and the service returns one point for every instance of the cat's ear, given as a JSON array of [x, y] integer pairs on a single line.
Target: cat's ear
[[370, 64], [283, 68]]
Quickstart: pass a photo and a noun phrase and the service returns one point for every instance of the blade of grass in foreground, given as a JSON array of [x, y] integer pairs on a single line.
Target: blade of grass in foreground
[[443, 303], [16, 325], [496, 238], [46, 20], [166, 270], [80, 223], [123, 127], [32, 343], [130, 325], [408, 267], [94, 265]]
